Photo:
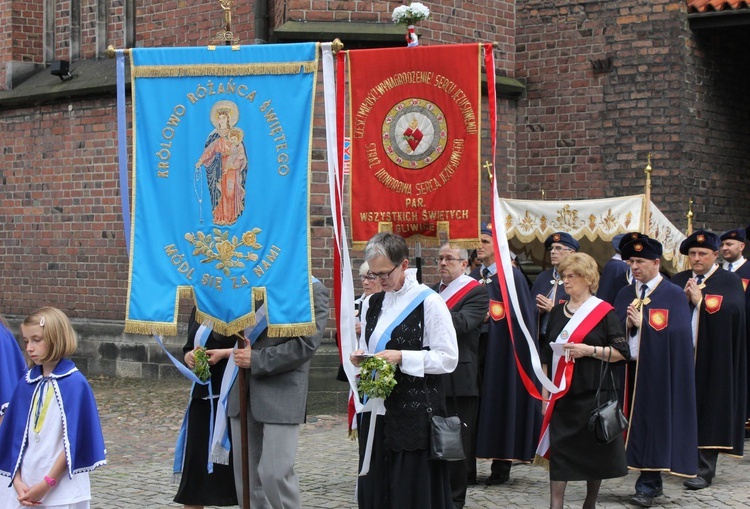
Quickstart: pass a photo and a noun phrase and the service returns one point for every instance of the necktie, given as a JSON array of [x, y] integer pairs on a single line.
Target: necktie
[[443, 286], [644, 289], [485, 275], [730, 267], [699, 280]]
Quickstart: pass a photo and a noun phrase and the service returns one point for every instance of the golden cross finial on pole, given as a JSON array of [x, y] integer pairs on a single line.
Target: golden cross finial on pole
[[488, 166], [225, 35], [689, 217]]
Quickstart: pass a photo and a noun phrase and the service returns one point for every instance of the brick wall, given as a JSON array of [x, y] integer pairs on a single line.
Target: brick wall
[[670, 92], [716, 127], [576, 133], [61, 239]]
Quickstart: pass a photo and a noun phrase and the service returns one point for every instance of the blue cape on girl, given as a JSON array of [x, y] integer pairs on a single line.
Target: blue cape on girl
[[82, 431]]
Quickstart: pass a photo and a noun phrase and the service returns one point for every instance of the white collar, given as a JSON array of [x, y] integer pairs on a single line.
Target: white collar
[[707, 274], [735, 264], [651, 284]]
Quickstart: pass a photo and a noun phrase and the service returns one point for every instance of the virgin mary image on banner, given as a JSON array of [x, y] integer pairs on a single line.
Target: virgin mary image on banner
[[225, 159]]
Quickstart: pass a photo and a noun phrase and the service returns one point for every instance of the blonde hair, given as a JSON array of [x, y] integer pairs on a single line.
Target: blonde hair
[[57, 332], [583, 265]]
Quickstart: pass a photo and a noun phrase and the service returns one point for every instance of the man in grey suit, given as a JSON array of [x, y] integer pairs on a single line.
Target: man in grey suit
[[277, 380]]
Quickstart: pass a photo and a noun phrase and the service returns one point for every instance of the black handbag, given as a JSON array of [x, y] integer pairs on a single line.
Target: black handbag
[[607, 420], [446, 442]]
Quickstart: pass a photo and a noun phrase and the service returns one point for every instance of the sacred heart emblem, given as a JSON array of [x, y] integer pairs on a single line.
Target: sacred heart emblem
[[412, 136]]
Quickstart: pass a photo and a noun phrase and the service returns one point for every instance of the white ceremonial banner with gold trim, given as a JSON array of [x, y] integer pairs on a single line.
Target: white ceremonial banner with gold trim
[[592, 222]]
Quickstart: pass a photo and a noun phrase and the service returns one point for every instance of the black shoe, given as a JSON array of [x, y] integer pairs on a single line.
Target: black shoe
[[697, 483], [471, 481], [641, 499], [497, 479]]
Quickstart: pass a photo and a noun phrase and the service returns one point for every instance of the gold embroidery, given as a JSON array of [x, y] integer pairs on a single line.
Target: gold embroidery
[[217, 247]]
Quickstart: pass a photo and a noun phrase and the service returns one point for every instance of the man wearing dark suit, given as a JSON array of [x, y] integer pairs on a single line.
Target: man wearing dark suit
[[732, 245], [717, 305], [548, 290], [468, 304], [615, 274], [277, 380]]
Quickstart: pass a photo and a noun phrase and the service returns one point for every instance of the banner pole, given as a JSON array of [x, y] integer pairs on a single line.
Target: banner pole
[[647, 205]]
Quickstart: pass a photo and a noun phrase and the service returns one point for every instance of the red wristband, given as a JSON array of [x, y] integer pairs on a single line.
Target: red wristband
[[50, 481]]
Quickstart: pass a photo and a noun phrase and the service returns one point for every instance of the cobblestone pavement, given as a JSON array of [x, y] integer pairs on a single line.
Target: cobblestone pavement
[[141, 420]]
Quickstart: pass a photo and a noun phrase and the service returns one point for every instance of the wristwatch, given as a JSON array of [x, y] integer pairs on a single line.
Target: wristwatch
[[50, 481]]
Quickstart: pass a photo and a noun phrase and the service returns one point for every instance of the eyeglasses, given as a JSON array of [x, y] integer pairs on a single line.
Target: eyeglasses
[[372, 276], [447, 259], [557, 249], [571, 277]]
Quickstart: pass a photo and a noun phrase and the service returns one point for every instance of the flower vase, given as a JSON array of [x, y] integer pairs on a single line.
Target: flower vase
[[411, 37]]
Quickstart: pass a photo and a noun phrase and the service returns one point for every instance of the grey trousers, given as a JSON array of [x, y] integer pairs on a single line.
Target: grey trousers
[[272, 449]]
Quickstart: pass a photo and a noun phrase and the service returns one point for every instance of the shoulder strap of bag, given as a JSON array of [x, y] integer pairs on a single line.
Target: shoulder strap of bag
[[603, 370]]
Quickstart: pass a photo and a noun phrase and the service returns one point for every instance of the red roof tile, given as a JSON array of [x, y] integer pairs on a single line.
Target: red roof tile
[[716, 5]]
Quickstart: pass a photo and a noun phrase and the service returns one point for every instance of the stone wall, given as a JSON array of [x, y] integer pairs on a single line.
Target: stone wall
[[103, 349]]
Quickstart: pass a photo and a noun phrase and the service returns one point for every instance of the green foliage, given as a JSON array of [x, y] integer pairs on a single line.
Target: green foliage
[[201, 369], [376, 378]]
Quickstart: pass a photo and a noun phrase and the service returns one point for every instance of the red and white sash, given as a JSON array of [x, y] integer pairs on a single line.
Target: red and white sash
[[457, 289], [583, 321]]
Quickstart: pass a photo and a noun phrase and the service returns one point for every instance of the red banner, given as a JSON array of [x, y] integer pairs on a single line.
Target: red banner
[[415, 122]]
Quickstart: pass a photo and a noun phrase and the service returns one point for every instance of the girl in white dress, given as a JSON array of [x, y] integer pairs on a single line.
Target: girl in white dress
[[51, 436]]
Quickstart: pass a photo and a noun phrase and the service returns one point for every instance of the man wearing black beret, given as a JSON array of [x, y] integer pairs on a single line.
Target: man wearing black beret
[[548, 290], [663, 433], [717, 302], [732, 245]]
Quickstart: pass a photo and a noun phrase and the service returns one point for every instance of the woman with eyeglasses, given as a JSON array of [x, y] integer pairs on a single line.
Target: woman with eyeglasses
[[590, 333], [370, 286], [410, 326]]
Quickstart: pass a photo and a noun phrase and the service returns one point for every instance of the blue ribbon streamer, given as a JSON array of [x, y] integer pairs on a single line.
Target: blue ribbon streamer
[[188, 373], [122, 145]]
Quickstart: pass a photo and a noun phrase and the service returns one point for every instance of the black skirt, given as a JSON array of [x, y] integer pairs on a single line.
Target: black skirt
[[197, 486], [574, 454], [400, 479]]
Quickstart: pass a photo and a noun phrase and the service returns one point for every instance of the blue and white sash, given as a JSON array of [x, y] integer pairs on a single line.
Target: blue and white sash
[[220, 445], [381, 336]]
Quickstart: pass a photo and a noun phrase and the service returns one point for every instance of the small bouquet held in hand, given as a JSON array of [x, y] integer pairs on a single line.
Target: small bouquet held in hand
[[201, 368], [376, 378], [408, 15]]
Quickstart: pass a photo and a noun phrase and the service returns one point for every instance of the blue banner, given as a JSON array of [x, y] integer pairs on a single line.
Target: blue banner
[[221, 171]]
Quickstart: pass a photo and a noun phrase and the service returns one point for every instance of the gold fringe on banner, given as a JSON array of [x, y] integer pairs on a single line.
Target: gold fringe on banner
[[541, 461], [223, 328], [149, 328], [292, 329], [180, 71], [426, 242]]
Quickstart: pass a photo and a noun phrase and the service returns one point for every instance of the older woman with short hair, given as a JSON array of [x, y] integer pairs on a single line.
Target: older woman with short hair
[[422, 345], [590, 333]]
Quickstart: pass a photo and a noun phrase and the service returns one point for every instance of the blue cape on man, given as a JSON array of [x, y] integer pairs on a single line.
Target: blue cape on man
[[510, 419], [720, 362], [662, 434], [14, 365]]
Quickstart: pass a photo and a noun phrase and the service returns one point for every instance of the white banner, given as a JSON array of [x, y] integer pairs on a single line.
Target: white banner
[[529, 222]]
